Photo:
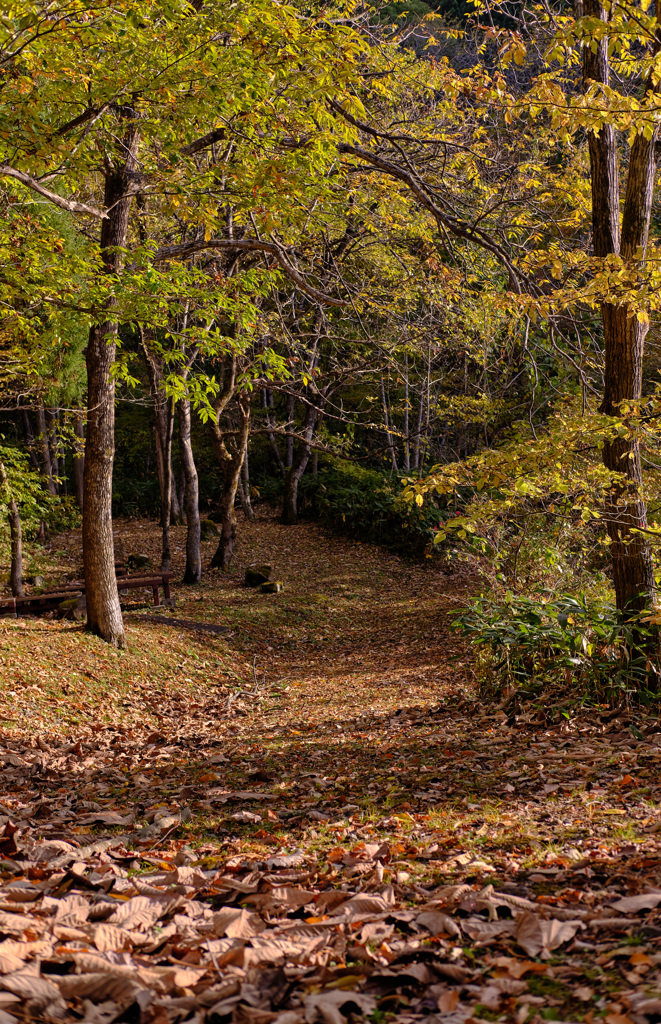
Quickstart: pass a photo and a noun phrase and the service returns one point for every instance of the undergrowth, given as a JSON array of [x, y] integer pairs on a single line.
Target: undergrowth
[[530, 645]]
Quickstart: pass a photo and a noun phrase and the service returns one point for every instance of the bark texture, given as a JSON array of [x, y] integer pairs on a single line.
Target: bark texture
[[624, 335], [104, 615], [229, 448], [193, 571], [244, 487], [292, 479]]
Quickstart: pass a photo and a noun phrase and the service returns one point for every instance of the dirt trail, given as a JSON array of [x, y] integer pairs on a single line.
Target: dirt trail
[[313, 816]]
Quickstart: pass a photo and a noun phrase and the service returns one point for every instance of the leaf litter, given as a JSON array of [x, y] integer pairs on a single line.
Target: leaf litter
[[357, 852]]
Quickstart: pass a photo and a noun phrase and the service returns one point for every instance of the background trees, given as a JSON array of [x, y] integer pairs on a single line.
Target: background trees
[[317, 240]]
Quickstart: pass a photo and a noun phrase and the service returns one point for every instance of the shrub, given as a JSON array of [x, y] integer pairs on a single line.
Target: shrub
[[532, 644], [367, 506]]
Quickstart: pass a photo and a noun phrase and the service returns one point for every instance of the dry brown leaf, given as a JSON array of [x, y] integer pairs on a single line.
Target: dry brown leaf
[[632, 904], [536, 935], [140, 912], [36, 994], [110, 937], [327, 1005], [437, 923], [101, 986]]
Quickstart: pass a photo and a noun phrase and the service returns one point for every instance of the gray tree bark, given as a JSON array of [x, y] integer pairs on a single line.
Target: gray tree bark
[[104, 614], [193, 571]]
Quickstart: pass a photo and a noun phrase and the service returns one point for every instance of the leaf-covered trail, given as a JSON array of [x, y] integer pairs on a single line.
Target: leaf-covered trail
[[313, 817]]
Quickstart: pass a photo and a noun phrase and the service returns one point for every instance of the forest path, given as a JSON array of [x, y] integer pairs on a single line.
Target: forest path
[[313, 815]]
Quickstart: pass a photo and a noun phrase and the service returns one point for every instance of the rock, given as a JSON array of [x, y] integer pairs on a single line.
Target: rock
[[257, 574], [271, 588], [73, 608], [208, 529], [35, 581], [139, 562], [215, 517]]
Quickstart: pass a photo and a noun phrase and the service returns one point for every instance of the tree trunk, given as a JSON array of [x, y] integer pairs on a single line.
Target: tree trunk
[[290, 497], [289, 450], [624, 343], [53, 441], [168, 496], [244, 488], [163, 427], [231, 462], [418, 434], [104, 614], [46, 465], [267, 400], [389, 437], [193, 571], [79, 459], [407, 443], [16, 571], [624, 336], [29, 440]]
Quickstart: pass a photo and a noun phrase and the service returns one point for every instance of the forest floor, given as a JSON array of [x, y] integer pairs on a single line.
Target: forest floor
[[312, 815]]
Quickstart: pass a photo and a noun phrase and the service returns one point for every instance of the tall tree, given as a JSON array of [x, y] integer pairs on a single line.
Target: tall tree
[[624, 332], [94, 81]]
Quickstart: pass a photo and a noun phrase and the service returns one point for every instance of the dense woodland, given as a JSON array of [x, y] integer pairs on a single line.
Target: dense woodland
[[392, 268], [340, 323]]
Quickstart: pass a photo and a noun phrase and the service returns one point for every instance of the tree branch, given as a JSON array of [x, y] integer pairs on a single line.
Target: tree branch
[[64, 204], [216, 135], [174, 252], [457, 227]]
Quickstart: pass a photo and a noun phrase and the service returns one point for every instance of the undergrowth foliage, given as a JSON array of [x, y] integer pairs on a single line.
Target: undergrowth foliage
[[530, 645], [369, 506]]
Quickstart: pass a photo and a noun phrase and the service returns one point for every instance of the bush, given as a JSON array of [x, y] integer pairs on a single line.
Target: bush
[[531, 645], [367, 506]]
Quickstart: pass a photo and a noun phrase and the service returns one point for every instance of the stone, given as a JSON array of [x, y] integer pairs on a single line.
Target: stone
[[271, 588], [208, 529], [73, 608], [257, 574], [136, 561], [35, 581]]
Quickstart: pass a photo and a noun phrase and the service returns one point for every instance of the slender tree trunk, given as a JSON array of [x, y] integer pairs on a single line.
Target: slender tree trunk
[[418, 434], [290, 497], [29, 440], [244, 493], [389, 437], [624, 336], [193, 571], [267, 400], [46, 465], [291, 409], [163, 427], [231, 462], [53, 441], [16, 571], [407, 443], [104, 614], [79, 459]]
